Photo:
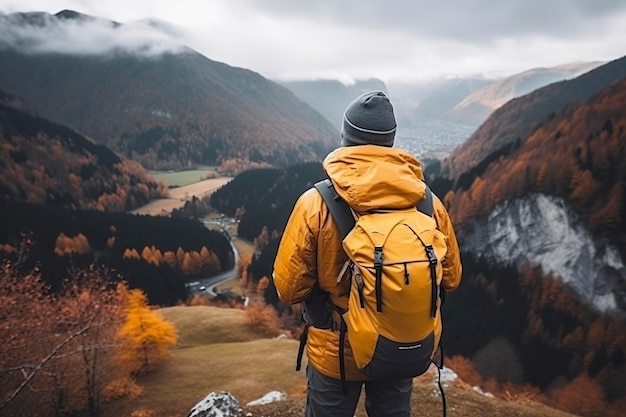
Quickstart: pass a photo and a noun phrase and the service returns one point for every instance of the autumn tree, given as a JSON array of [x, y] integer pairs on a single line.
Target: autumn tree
[[146, 335], [89, 302], [582, 396], [57, 349], [263, 317], [66, 245]]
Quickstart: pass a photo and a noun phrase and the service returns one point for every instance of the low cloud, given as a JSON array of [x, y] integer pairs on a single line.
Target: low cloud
[[470, 21], [38, 33]]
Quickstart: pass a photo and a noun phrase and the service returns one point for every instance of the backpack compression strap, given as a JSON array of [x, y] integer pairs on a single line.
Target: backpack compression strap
[[340, 210]]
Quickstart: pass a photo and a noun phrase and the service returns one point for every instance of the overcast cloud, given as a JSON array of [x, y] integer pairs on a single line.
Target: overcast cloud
[[347, 39]]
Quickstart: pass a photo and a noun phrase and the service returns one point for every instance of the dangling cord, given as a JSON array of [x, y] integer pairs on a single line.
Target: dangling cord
[[439, 368], [342, 361], [303, 338]]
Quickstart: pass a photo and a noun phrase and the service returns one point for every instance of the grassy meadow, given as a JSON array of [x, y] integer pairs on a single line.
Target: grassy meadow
[[181, 178], [217, 351]]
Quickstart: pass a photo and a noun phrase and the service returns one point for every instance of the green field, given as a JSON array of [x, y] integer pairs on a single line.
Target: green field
[[181, 178]]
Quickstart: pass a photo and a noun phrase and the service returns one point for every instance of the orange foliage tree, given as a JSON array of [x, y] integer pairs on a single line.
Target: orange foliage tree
[[146, 335], [582, 396], [66, 245]]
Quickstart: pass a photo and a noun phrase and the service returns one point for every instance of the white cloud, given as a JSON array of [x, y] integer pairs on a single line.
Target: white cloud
[[87, 36], [395, 39]]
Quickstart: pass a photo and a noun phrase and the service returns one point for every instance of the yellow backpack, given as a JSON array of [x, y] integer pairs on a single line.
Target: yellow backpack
[[394, 257]]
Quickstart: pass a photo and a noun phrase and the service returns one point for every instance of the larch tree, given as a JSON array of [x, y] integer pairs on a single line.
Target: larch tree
[[147, 336]]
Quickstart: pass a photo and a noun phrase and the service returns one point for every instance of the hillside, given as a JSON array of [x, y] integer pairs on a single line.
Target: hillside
[[477, 106], [518, 118], [163, 108], [227, 356], [265, 196], [44, 162], [541, 221]]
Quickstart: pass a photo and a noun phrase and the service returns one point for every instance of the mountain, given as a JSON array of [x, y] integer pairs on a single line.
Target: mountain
[[477, 106], [444, 95], [331, 97], [132, 88], [565, 184], [47, 163], [518, 118], [540, 217]]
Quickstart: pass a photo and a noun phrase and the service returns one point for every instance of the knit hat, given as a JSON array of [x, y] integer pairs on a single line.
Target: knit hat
[[369, 119]]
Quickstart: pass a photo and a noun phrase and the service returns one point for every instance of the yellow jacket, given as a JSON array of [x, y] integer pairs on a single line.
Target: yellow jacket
[[367, 177]]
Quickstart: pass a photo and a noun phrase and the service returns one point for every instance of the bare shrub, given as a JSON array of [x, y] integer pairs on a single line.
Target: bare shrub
[[263, 317], [120, 388]]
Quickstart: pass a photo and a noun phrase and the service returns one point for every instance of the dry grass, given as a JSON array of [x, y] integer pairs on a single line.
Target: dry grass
[[207, 325], [217, 352]]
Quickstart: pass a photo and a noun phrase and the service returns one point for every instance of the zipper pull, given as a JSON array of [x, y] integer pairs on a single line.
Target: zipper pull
[[406, 275], [358, 278], [343, 271]]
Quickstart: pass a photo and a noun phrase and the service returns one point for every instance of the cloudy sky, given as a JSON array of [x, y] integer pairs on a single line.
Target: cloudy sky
[[347, 39]]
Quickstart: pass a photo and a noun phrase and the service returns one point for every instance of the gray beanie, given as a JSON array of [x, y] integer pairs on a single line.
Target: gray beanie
[[369, 119]]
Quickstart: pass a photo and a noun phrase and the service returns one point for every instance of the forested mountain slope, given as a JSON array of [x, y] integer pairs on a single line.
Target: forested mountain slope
[[164, 110], [44, 162], [517, 119]]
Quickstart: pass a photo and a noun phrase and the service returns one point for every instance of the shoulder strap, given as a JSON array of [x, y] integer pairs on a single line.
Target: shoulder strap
[[340, 210], [426, 206]]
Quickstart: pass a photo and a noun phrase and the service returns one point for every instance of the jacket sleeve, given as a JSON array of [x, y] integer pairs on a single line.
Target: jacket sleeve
[[295, 266], [452, 269]]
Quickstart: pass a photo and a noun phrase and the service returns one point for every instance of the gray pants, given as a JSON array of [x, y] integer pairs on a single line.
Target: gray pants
[[326, 397]]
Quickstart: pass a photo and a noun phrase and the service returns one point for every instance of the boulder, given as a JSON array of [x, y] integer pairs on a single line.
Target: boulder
[[216, 404], [270, 397]]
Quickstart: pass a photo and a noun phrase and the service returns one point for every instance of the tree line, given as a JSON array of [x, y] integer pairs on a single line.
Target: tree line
[[156, 254]]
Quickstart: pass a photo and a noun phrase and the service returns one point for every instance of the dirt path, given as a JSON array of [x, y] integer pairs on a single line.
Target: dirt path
[[179, 195]]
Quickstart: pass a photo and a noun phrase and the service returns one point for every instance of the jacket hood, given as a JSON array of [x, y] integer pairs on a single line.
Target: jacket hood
[[370, 177]]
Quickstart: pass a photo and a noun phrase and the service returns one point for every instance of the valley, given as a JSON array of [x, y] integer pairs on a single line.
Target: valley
[[172, 173], [178, 196]]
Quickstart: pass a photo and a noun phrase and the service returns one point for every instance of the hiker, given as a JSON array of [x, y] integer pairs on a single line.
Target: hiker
[[371, 176]]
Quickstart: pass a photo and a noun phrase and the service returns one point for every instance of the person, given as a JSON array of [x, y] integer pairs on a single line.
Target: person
[[369, 174]]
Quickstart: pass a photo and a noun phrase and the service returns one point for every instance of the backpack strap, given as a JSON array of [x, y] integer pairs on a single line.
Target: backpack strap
[[427, 205], [338, 208]]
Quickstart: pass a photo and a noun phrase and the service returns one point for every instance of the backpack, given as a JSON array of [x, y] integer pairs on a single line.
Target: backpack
[[394, 257]]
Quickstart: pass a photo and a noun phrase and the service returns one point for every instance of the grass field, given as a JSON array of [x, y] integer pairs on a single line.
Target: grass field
[[179, 196], [218, 352], [180, 178]]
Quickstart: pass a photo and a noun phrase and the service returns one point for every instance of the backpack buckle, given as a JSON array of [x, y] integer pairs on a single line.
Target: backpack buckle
[[432, 257], [378, 257]]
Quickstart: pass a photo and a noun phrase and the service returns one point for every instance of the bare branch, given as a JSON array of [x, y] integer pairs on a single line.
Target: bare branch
[[34, 372]]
